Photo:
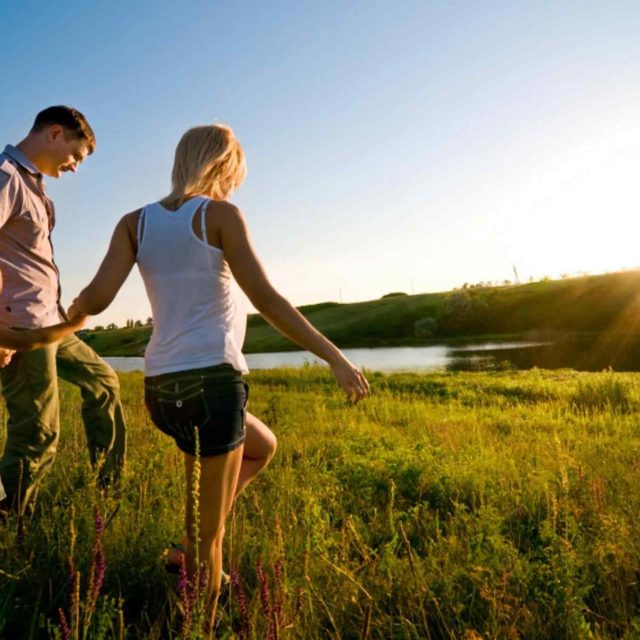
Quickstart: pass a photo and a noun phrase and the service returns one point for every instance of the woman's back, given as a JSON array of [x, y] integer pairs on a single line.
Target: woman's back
[[189, 284]]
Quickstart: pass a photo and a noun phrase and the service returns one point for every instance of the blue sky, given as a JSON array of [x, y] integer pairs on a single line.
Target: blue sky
[[391, 145]]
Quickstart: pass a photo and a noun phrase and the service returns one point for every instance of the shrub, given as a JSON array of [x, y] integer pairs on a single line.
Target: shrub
[[464, 312], [425, 327]]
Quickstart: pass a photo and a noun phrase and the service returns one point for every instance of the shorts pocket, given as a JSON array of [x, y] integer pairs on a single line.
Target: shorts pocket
[[179, 406]]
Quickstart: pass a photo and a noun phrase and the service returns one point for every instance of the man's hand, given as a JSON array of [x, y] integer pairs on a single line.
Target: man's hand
[[5, 357], [75, 311]]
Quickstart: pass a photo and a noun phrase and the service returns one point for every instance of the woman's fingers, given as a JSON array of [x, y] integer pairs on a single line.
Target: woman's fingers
[[352, 381]]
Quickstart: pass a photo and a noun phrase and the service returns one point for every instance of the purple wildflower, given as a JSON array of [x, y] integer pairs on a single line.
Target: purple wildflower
[[182, 578], [203, 576], [71, 571], [98, 521], [65, 631], [278, 570], [265, 601], [264, 589], [99, 567], [183, 592], [278, 574], [74, 605], [241, 599]]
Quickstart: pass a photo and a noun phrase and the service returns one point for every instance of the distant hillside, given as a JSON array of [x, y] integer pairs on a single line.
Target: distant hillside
[[591, 304]]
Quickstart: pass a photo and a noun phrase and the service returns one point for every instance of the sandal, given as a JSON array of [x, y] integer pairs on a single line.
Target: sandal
[[174, 567]]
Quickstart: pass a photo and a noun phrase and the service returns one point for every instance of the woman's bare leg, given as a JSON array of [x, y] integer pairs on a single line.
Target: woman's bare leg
[[218, 482], [259, 447]]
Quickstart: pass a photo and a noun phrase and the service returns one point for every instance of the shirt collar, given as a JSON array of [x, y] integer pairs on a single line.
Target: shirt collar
[[22, 160]]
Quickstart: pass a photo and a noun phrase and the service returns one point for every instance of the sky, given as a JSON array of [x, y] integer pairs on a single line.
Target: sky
[[391, 145]]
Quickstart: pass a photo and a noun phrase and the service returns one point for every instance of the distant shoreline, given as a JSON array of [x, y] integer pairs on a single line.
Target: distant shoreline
[[556, 310]]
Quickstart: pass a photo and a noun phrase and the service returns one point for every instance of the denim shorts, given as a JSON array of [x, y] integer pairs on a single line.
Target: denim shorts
[[213, 400]]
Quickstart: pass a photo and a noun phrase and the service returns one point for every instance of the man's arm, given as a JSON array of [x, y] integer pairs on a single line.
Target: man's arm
[[31, 339], [8, 190]]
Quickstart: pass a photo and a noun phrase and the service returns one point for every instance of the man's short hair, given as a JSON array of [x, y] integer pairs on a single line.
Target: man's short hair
[[71, 120]]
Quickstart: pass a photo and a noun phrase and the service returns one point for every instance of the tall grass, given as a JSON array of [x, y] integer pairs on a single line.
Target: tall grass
[[475, 505]]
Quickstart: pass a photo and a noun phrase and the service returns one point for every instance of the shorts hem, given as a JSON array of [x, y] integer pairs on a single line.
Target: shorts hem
[[212, 451]]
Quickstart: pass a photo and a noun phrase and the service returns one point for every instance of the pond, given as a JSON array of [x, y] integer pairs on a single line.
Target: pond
[[591, 355]]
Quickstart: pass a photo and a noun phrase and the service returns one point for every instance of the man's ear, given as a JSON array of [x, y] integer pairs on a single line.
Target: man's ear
[[54, 132]]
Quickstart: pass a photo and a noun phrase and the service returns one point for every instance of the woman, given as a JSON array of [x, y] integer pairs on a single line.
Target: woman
[[187, 246]]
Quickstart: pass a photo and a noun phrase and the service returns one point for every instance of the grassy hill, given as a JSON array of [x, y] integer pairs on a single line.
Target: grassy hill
[[590, 304]]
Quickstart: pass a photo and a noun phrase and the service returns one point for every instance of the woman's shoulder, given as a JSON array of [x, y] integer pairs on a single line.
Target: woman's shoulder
[[223, 208], [131, 218], [129, 222], [221, 213]]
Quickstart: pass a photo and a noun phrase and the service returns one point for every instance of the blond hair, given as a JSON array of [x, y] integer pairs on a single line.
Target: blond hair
[[209, 161]]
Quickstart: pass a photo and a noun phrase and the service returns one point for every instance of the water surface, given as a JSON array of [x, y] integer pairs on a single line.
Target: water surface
[[430, 358]]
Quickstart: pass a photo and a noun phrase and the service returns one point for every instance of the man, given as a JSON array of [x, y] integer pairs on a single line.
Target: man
[[59, 141]]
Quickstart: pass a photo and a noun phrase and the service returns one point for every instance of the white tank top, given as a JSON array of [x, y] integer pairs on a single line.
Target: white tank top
[[194, 302]]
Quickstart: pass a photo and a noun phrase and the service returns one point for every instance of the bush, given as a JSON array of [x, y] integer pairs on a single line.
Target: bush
[[465, 313], [425, 327], [394, 294]]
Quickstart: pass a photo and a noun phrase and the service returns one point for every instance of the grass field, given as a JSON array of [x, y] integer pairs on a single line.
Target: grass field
[[471, 505]]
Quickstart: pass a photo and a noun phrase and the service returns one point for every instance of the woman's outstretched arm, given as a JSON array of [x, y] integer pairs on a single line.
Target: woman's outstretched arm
[[226, 222], [113, 271]]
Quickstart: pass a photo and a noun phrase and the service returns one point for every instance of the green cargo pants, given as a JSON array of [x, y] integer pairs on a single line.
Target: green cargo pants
[[30, 389]]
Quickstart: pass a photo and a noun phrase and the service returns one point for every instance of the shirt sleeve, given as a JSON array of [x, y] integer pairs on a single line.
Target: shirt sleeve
[[8, 186]]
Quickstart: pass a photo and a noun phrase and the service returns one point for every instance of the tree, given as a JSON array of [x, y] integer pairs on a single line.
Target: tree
[[111, 326], [425, 327], [149, 322], [137, 324], [464, 313]]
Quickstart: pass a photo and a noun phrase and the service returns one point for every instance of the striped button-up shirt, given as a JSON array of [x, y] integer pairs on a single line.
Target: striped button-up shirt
[[30, 295]]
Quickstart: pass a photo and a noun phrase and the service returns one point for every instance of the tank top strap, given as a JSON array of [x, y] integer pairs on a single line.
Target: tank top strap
[[203, 220], [189, 208], [140, 228]]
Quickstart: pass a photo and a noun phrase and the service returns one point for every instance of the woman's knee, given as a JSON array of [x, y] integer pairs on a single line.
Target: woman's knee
[[261, 443], [272, 445]]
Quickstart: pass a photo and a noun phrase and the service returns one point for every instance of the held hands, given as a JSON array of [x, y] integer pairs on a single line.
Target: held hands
[[5, 357], [75, 311], [76, 321], [351, 379]]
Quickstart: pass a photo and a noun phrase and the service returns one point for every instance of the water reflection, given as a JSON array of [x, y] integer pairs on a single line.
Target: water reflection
[[595, 353]]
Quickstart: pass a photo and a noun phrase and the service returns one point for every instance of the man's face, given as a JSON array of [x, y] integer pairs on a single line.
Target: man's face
[[64, 153]]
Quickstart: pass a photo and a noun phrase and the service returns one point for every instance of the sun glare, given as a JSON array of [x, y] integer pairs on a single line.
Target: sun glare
[[580, 212]]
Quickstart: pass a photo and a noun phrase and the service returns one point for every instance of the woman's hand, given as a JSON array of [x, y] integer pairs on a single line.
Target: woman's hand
[[5, 357], [351, 379], [75, 311]]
